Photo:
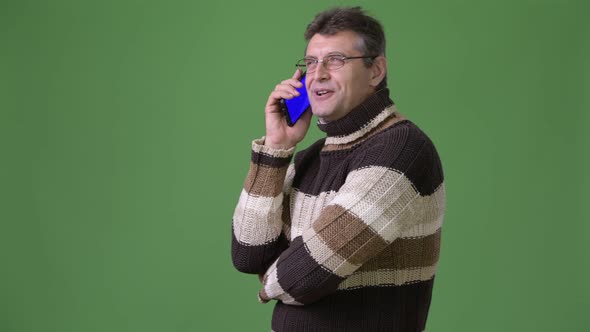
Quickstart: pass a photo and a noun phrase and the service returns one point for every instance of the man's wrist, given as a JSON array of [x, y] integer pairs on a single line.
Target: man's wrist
[[278, 145], [260, 146]]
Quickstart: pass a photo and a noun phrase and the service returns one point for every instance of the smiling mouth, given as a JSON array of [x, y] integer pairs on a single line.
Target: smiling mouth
[[322, 92]]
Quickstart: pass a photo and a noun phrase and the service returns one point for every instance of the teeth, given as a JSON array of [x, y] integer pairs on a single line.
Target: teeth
[[320, 93]]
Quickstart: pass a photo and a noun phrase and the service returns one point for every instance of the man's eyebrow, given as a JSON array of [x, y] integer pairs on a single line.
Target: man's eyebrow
[[329, 53], [335, 53]]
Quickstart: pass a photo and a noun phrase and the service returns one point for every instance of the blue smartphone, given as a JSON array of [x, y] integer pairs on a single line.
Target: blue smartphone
[[295, 107]]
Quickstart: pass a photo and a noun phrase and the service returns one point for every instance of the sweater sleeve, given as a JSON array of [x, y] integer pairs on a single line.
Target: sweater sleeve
[[257, 224], [394, 191]]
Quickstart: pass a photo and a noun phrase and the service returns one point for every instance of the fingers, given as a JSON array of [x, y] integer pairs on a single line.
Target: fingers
[[281, 94], [288, 88], [292, 82]]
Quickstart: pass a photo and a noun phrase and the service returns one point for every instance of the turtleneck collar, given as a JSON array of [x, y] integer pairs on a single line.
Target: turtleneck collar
[[369, 114]]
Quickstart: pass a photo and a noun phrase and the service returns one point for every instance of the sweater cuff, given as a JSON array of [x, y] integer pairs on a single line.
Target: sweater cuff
[[258, 146], [265, 155]]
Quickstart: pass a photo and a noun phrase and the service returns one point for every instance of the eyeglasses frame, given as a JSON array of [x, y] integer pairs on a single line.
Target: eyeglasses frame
[[323, 61]]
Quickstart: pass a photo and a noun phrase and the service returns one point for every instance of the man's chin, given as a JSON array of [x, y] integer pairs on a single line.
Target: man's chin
[[325, 115], [324, 118]]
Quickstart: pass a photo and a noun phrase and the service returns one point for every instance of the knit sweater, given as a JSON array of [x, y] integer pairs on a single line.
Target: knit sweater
[[347, 237]]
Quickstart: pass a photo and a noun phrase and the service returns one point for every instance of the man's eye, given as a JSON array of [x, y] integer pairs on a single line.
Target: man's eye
[[310, 62], [335, 59]]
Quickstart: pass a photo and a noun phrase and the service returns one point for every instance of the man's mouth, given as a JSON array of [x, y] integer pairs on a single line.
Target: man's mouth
[[322, 93]]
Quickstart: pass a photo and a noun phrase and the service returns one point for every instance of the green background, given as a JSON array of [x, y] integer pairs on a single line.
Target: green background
[[125, 129]]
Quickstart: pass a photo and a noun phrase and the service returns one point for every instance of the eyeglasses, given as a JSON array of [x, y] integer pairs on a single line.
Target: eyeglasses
[[330, 62]]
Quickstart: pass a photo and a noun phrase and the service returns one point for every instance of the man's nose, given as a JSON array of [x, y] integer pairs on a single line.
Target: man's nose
[[321, 72]]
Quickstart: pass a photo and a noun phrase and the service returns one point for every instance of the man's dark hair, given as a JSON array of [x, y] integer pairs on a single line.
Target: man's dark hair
[[354, 19]]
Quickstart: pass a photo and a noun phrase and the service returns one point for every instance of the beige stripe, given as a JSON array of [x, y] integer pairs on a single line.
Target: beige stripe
[[287, 231], [393, 119], [258, 146], [426, 228], [388, 202], [387, 277], [288, 183], [348, 236], [257, 219], [273, 290], [306, 209], [405, 253], [363, 131], [264, 181], [324, 256]]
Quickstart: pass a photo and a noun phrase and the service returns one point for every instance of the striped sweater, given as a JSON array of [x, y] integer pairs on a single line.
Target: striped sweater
[[347, 237]]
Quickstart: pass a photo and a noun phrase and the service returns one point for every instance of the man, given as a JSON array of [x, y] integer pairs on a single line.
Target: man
[[347, 238]]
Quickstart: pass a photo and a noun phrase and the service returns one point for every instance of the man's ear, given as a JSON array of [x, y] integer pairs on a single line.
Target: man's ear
[[378, 70]]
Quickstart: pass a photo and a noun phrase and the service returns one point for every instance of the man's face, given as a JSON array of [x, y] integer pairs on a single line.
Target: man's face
[[346, 87]]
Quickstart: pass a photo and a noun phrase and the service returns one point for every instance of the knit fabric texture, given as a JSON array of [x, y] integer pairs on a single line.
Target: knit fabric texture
[[346, 238]]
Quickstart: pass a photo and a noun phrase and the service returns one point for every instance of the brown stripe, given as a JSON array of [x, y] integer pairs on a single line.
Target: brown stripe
[[268, 160], [286, 216], [347, 235], [393, 119], [407, 253], [264, 181]]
